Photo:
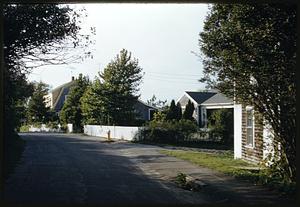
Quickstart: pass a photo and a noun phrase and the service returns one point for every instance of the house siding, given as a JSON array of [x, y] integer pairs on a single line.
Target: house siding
[[252, 154]]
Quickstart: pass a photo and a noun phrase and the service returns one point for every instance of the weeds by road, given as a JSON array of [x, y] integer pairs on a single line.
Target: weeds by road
[[225, 163]]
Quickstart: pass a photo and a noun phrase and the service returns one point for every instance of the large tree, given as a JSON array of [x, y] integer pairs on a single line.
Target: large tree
[[37, 112], [250, 54], [71, 111], [117, 91], [35, 35]]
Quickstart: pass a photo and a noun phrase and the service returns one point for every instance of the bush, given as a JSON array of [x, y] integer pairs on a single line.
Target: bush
[[24, 128], [52, 125], [220, 124], [167, 131]]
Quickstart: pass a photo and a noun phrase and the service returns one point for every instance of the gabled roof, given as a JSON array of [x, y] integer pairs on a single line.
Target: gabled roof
[[144, 103], [60, 91], [218, 98], [208, 97]]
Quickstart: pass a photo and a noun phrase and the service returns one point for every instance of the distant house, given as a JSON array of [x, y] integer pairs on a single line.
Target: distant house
[[205, 102], [56, 98], [144, 110]]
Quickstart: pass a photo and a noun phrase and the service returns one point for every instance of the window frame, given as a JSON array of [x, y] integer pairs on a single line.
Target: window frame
[[248, 144]]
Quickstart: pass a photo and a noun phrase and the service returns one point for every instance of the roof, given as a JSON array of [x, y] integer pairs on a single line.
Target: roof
[[208, 97], [59, 92], [144, 103]]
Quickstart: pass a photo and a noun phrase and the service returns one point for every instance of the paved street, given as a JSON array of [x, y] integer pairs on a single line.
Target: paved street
[[75, 169]]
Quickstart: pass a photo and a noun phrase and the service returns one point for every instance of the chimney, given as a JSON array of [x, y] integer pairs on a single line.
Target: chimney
[[73, 78]]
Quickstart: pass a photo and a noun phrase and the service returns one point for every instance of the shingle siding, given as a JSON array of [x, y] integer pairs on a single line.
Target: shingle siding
[[252, 154]]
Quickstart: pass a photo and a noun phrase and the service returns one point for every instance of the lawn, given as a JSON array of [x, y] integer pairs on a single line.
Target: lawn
[[222, 162], [225, 163]]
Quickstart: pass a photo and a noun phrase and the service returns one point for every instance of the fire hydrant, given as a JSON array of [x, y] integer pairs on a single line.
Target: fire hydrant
[[108, 135]]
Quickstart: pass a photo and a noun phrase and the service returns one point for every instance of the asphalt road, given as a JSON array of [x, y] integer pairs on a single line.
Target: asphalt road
[[73, 169]]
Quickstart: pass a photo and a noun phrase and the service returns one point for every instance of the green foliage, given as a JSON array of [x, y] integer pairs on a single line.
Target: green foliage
[[159, 116], [71, 111], [173, 112], [179, 111], [180, 179], [112, 100], [246, 46], [24, 128], [225, 163], [220, 124], [189, 110], [31, 32], [37, 110], [168, 132]]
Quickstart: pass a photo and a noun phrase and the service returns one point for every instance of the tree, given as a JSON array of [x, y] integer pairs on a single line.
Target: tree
[[156, 102], [250, 54], [179, 111], [35, 35], [173, 112], [71, 111], [115, 93], [37, 111], [221, 124], [189, 110]]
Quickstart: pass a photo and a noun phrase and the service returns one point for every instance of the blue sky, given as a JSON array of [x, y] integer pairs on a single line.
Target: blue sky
[[160, 36]]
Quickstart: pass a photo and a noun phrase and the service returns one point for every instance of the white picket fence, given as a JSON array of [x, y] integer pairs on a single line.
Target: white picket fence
[[116, 132]]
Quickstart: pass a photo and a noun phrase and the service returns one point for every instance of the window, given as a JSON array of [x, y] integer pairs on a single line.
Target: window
[[250, 126]]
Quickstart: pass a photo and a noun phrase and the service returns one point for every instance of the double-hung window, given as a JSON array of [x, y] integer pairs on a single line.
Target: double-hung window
[[250, 126]]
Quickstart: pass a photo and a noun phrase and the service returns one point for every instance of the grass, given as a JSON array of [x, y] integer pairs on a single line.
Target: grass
[[222, 162], [225, 163], [194, 144]]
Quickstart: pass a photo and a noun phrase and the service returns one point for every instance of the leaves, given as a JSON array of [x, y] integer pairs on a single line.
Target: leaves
[[251, 56], [115, 93]]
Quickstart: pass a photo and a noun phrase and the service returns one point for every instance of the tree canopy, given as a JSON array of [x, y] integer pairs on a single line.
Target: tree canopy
[[37, 110], [250, 54], [35, 35], [115, 92], [71, 111]]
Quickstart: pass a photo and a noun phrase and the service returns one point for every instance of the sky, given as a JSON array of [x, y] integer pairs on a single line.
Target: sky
[[161, 36]]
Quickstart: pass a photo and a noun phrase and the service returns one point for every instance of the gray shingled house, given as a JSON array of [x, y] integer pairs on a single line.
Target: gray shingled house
[[144, 111], [205, 102], [56, 98]]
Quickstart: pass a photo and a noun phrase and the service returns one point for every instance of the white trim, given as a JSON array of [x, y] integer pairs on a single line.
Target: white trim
[[217, 104], [237, 131], [219, 107], [149, 118]]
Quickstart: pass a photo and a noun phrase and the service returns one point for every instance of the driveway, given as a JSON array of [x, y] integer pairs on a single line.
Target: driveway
[[77, 169]]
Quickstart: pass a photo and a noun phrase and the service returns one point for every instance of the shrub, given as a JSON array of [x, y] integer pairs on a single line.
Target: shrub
[[24, 128], [167, 131], [52, 125], [220, 124]]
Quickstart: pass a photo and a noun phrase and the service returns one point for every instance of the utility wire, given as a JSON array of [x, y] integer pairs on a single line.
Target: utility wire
[[174, 74]]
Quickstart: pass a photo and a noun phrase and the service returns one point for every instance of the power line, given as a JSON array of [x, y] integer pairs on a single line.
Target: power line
[[174, 74], [176, 78], [173, 81]]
